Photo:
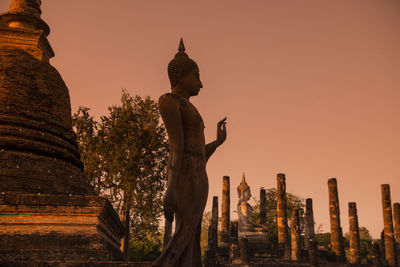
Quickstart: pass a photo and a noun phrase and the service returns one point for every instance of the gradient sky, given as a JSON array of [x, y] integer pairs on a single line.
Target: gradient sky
[[310, 88]]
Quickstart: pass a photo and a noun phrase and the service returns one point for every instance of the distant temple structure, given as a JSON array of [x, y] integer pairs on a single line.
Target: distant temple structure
[[250, 244], [48, 212]]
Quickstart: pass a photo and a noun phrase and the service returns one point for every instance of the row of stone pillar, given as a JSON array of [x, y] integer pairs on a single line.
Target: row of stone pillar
[[292, 251], [391, 235], [283, 239], [226, 227]]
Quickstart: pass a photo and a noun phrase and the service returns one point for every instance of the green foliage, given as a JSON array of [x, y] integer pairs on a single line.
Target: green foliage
[[323, 239], [125, 157], [205, 223], [365, 245], [292, 201], [147, 249], [86, 129]]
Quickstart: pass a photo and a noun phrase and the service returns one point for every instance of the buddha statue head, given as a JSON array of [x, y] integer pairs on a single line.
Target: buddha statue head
[[243, 190], [180, 65]]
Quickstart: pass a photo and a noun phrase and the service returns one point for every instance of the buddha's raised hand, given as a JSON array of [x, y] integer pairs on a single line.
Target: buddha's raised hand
[[221, 131]]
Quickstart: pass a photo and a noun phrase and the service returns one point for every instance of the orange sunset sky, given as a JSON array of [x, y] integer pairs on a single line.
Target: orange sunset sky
[[310, 88]]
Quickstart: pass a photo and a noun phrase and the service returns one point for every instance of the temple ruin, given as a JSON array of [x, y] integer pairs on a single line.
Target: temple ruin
[[334, 212], [354, 234], [250, 245], [389, 241], [47, 210]]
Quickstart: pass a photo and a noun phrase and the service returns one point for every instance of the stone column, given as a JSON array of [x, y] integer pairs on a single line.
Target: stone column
[[376, 254], [313, 253], [209, 258], [234, 232], [354, 234], [309, 237], [210, 239], [309, 223], [210, 255], [214, 224], [382, 247], [390, 253], [336, 229], [282, 216], [396, 219], [263, 207], [225, 213], [295, 234]]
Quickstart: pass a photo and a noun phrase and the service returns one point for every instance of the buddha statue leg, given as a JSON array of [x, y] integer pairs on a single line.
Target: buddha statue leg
[[184, 247], [192, 254]]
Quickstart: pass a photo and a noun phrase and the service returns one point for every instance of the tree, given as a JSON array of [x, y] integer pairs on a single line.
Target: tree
[[365, 245], [323, 240], [146, 249], [205, 224], [292, 201], [86, 129], [125, 156]]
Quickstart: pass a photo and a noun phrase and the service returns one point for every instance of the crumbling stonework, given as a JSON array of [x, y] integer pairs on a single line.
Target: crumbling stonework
[[211, 253], [336, 229], [214, 226], [396, 220], [58, 228], [283, 240], [225, 211], [354, 235], [295, 234], [263, 207], [309, 223], [310, 243], [36, 138], [47, 210], [390, 251]]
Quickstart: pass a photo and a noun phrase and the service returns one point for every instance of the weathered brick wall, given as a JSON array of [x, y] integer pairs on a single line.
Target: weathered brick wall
[[58, 228], [38, 150], [49, 215]]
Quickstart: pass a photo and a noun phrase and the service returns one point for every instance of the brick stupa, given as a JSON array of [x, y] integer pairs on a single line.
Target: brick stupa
[[47, 210]]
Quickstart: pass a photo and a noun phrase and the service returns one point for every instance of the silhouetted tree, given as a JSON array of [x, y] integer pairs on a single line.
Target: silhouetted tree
[[125, 155]]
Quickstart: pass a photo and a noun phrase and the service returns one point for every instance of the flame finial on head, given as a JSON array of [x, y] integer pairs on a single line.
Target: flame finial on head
[[181, 47]]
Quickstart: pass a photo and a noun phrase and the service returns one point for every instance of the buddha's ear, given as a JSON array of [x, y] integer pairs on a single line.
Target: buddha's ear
[[180, 83]]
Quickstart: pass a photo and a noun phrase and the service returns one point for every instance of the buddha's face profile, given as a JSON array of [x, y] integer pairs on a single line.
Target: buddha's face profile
[[190, 81], [244, 194], [247, 195]]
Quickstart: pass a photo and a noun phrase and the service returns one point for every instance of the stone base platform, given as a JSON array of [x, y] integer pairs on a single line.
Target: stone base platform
[[75, 264], [287, 263], [57, 228]]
